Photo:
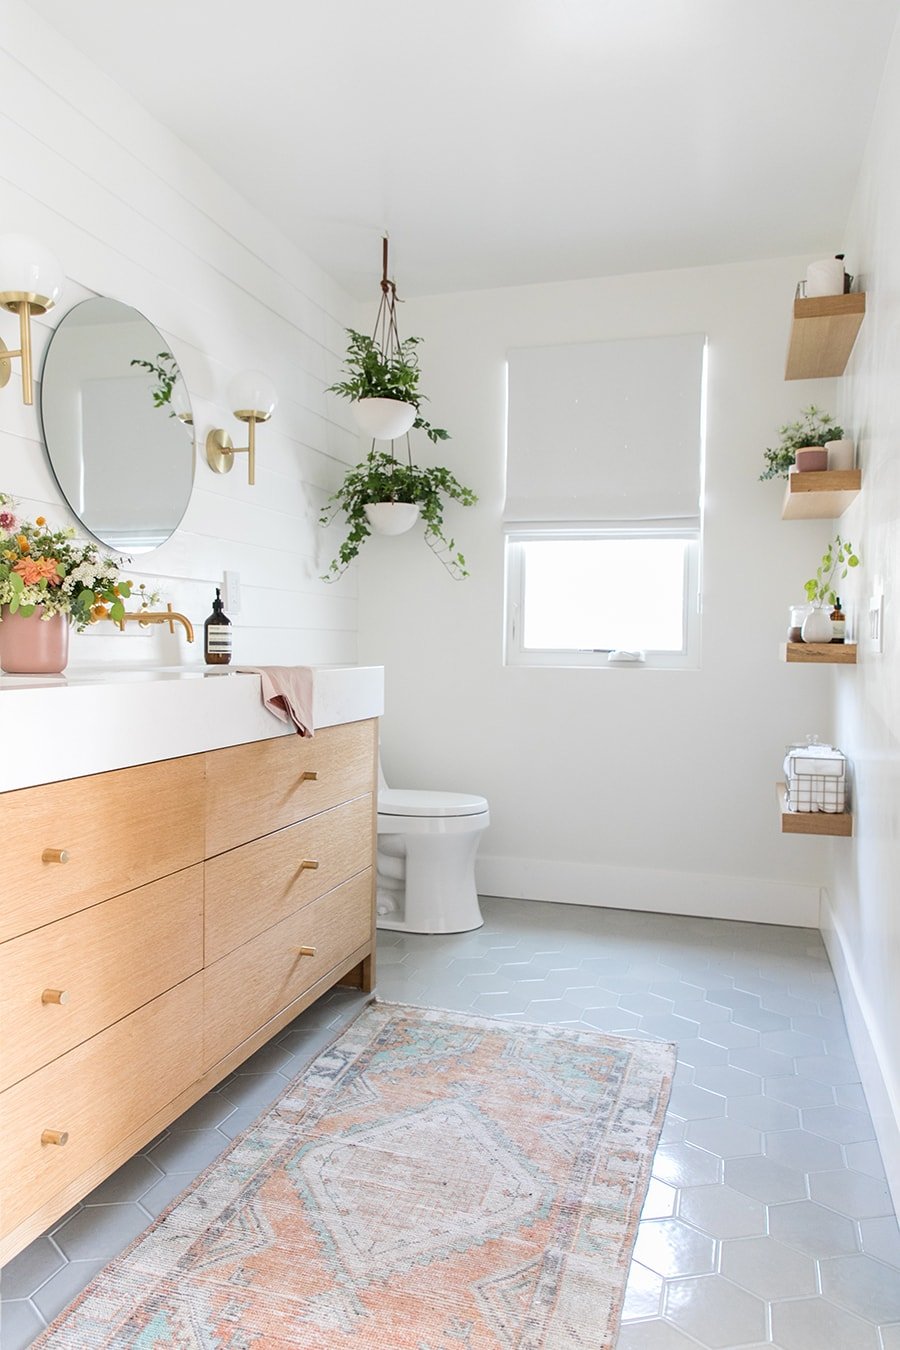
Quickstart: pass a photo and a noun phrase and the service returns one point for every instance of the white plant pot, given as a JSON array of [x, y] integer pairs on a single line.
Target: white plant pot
[[391, 517], [840, 454], [816, 626], [383, 418]]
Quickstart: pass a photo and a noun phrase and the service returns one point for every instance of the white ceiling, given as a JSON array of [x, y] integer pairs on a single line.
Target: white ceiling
[[510, 141]]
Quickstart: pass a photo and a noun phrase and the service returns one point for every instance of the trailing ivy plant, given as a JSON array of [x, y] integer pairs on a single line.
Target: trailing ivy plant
[[382, 478], [836, 561], [372, 373], [813, 427]]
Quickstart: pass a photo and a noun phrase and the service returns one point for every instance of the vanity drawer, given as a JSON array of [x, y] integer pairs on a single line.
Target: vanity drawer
[[253, 984], [255, 886], [96, 1095], [257, 788], [63, 983], [119, 830]]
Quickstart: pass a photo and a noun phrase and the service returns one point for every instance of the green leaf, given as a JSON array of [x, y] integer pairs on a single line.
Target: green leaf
[[117, 611]]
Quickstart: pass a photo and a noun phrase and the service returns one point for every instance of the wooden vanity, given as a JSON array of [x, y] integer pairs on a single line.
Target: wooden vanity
[[158, 924]]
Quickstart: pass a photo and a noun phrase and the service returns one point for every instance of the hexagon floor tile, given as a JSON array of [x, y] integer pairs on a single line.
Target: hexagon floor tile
[[768, 1223]]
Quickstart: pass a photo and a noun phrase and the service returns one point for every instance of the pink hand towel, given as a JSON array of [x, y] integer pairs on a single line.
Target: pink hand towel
[[287, 692]]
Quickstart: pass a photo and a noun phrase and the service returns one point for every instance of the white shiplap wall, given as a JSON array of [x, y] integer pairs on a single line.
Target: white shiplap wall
[[133, 214]]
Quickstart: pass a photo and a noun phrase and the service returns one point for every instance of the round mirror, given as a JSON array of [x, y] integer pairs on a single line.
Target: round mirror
[[117, 425]]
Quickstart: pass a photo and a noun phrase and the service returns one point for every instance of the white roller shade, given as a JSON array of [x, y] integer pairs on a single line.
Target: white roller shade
[[605, 431]]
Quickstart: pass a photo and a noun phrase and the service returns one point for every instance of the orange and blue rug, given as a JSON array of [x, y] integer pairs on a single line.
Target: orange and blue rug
[[432, 1181]]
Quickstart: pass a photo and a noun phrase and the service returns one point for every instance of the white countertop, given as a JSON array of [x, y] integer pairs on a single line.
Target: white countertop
[[91, 720]]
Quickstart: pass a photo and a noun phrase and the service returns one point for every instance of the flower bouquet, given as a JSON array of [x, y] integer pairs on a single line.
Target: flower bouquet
[[52, 571]]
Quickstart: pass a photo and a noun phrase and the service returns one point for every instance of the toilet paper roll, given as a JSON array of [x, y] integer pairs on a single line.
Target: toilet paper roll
[[825, 277]]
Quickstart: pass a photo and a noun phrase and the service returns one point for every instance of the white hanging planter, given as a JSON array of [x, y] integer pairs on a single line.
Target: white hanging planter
[[391, 517], [383, 418]]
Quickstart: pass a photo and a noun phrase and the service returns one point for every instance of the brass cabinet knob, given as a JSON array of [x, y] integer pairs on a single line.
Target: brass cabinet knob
[[306, 951], [55, 996], [59, 855], [55, 1137], [309, 863], [309, 776]]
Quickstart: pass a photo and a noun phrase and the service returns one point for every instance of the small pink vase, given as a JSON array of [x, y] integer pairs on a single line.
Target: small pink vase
[[32, 646]]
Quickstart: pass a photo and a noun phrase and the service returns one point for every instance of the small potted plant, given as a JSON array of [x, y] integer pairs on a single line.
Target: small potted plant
[[406, 490], [837, 560], [810, 432], [383, 386]]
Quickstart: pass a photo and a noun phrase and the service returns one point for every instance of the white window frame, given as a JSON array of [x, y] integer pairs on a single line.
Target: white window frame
[[517, 655]]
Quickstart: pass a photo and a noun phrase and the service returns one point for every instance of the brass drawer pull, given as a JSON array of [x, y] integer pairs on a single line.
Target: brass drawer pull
[[306, 951], [55, 996], [59, 855], [55, 1137], [310, 863], [309, 776]]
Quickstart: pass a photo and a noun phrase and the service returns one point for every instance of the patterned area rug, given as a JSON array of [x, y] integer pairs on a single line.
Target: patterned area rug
[[433, 1181]]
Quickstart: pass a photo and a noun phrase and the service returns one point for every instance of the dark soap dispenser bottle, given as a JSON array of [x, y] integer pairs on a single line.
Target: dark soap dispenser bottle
[[217, 634]]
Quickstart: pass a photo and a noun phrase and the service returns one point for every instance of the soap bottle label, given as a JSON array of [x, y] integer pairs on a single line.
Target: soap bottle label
[[218, 638]]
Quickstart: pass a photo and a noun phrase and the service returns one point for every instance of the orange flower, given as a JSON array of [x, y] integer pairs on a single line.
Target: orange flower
[[99, 612], [24, 546], [39, 520], [33, 570]]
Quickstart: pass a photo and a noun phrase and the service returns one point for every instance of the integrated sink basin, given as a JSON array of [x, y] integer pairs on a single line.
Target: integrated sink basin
[[93, 719]]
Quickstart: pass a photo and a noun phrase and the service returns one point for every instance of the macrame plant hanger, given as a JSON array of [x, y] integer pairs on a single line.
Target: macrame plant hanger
[[386, 333]]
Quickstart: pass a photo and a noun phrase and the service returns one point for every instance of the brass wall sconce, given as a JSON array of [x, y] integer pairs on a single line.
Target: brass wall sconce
[[31, 282], [253, 398]]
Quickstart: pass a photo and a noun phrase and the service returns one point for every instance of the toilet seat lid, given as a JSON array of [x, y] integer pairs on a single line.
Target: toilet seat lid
[[414, 802]]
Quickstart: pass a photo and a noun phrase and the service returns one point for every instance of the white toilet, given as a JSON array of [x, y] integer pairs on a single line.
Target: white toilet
[[427, 843]]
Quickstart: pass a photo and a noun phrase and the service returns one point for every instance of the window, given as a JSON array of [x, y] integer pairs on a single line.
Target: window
[[602, 515], [574, 596]]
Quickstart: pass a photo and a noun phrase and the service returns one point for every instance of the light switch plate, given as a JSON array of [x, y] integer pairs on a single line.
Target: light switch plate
[[232, 595], [875, 630]]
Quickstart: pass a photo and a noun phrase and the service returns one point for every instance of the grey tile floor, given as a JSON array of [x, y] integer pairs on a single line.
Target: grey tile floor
[[768, 1221]]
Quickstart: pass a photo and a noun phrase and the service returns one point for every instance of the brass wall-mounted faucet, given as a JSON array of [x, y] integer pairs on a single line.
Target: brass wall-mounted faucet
[[168, 615]]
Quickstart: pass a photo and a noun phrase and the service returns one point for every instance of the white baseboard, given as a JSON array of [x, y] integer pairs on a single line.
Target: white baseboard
[[869, 1049], [712, 897]]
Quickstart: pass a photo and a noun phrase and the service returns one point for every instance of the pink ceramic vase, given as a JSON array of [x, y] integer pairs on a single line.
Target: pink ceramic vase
[[32, 646]]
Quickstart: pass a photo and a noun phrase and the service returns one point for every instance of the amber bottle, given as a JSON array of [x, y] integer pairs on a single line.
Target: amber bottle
[[217, 634]]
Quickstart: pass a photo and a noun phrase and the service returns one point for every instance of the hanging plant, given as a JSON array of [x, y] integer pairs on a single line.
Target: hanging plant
[[383, 385], [381, 369], [382, 478]]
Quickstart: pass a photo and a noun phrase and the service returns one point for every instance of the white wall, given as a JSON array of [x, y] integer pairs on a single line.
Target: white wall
[[638, 788], [132, 214], [862, 916]]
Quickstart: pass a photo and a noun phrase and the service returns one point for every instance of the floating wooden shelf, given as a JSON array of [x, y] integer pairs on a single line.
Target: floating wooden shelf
[[812, 822], [820, 496], [822, 335], [819, 653]]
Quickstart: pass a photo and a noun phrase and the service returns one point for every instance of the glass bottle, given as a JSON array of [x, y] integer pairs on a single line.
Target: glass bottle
[[838, 621], [217, 634]]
